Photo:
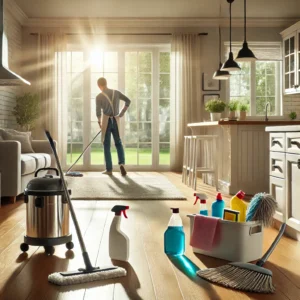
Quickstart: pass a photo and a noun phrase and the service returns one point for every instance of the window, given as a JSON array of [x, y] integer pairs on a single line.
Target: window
[[144, 76], [258, 83]]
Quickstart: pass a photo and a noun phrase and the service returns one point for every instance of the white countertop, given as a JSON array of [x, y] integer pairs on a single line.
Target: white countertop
[[283, 128]]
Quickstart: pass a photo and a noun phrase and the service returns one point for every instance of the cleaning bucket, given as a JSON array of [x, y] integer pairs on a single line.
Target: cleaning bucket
[[242, 242], [47, 213]]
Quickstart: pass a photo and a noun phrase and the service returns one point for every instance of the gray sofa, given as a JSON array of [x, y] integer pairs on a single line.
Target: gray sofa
[[18, 169]]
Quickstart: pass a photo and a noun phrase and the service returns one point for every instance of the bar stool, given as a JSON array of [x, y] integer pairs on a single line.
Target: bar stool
[[187, 161], [211, 141]]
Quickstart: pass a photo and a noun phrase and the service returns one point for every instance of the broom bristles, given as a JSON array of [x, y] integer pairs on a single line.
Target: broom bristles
[[239, 278]]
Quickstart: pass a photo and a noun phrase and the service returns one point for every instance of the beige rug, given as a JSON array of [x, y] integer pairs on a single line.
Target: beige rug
[[135, 186]]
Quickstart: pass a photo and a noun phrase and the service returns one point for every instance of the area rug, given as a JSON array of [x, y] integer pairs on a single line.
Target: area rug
[[131, 187]]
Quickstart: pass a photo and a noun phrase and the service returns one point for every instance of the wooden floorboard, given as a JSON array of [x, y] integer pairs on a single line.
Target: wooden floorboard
[[150, 273]]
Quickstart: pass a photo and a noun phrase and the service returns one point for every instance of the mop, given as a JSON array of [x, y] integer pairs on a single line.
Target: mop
[[245, 276], [78, 174], [89, 273]]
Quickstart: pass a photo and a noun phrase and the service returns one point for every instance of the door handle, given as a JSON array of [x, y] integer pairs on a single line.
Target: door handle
[[280, 169], [276, 142], [295, 143]]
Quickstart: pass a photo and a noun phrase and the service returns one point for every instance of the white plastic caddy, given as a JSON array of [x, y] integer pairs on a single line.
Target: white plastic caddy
[[240, 242]]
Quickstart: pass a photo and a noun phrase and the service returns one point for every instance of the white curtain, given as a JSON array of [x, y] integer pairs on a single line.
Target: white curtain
[[52, 84], [186, 91]]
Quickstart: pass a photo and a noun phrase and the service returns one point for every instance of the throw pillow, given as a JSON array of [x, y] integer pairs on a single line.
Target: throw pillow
[[24, 139]]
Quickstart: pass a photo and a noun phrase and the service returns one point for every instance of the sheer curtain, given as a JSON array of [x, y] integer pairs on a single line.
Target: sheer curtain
[[186, 91], [52, 85]]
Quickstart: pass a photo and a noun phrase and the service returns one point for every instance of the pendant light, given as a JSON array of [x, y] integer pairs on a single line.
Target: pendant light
[[230, 64], [245, 54], [219, 74]]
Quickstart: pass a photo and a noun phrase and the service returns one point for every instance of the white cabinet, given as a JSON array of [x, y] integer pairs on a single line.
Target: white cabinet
[[277, 189], [291, 59], [293, 190], [285, 173]]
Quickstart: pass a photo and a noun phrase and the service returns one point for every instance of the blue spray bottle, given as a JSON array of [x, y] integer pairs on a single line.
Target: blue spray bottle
[[174, 237], [203, 206], [217, 208]]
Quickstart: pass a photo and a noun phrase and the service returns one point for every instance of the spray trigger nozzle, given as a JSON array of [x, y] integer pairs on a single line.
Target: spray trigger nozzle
[[124, 213], [197, 198], [118, 209]]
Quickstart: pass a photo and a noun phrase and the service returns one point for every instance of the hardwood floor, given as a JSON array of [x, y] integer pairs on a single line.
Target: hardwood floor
[[151, 275]]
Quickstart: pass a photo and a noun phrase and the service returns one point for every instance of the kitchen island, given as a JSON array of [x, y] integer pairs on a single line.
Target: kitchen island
[[243, 153]]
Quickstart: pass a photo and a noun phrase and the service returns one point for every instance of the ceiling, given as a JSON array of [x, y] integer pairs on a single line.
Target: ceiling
[[157, 8]]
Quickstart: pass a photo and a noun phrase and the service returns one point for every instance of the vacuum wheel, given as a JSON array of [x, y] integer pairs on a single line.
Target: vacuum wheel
[[69, 245], [24, 247], [49, 250]]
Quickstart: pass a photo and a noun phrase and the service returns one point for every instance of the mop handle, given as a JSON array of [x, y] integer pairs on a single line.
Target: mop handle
[[83, 152], [77, 228], [261, 262]]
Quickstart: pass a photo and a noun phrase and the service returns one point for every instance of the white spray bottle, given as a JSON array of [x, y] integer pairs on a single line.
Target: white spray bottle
[[118, 240]]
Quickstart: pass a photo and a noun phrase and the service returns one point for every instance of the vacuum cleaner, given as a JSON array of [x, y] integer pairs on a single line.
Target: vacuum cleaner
[[89, 273], [47, 213], [78, 174]]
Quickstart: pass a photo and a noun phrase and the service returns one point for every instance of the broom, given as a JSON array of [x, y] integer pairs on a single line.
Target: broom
[[89, 273], [245, 276]]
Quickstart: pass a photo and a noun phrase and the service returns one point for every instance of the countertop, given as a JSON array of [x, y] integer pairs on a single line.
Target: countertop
[[277, 123], [283, 128]]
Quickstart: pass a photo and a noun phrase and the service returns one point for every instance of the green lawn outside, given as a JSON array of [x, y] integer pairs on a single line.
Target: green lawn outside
[[145, 157]]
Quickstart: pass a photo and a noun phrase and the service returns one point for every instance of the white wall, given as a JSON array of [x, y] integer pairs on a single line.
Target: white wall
[[13, 31]]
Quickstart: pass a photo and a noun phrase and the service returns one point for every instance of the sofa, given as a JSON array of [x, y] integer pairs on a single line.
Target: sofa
[[18, 168]]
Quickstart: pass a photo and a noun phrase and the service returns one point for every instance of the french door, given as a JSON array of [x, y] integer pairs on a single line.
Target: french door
[[142, 74]]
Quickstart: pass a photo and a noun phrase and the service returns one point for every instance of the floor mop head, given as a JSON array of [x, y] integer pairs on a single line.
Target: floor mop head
[[77, 277], [241, 276]]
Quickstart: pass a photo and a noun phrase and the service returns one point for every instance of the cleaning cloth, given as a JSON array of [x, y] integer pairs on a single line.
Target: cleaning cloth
[[205, 232]]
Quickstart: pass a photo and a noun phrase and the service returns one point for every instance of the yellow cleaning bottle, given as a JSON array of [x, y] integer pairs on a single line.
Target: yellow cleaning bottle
[[237, 203]]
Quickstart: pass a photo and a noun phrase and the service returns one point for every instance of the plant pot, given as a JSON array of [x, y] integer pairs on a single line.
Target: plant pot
[[215, 116], [243, 115], [231, 115]]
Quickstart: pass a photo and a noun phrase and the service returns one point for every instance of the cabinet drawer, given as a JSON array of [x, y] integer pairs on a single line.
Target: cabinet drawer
[[277, 164], [277, 190], [293, 142], [277, 141]]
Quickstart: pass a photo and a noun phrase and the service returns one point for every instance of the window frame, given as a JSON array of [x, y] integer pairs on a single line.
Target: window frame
[[121, 50], [278, 90]]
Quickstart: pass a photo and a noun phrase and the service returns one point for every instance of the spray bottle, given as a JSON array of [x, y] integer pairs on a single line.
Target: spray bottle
[[174, 237], [203, 206], [217, 208], [118, 240]]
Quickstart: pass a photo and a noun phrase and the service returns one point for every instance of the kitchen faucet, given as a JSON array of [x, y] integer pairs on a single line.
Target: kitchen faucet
[[266, 109]]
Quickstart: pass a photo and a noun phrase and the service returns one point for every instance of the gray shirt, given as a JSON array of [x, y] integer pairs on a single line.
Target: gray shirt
[[103, 104]]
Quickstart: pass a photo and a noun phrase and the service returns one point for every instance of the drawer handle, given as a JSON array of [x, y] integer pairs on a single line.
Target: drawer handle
[[280, 169], [298, 163], [295, 143], [274, 142]]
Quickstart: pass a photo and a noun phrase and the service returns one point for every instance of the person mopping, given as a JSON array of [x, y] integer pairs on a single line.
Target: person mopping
[[107, 111]]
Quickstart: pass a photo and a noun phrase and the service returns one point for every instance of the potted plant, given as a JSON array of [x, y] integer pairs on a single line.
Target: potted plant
[[243, 108], [27, 111], [293, 115], [232, 106], [215, 107]]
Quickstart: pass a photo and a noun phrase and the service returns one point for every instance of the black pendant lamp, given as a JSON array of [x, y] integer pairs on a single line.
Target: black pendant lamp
[[230, 64], [245, 54], [219, 74]]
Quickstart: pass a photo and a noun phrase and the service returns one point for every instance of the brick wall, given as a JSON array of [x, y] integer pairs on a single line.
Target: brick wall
[[291, 103], [8, 94]]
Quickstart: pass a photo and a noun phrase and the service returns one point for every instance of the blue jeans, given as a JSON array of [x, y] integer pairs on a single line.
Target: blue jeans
[[112, 128]]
